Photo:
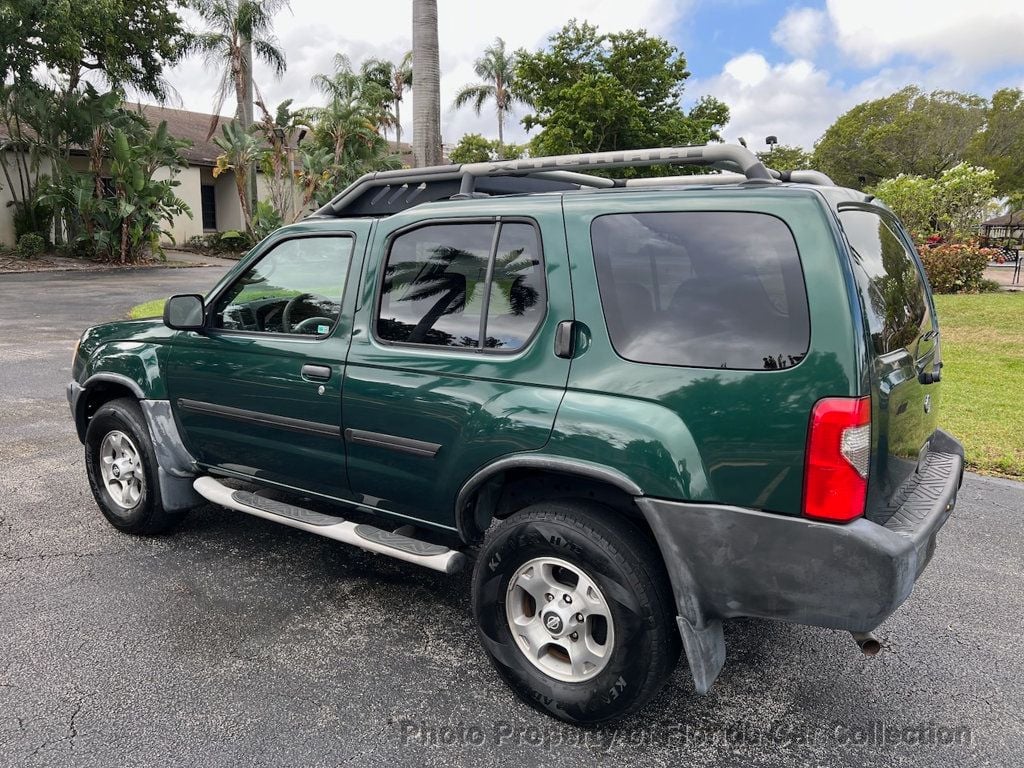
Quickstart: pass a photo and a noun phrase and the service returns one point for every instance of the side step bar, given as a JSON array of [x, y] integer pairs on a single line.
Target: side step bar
[[396, 545]]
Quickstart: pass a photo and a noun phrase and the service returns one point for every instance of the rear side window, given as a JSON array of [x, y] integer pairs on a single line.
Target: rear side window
[[710, 289], [468, 285], [890, 283]]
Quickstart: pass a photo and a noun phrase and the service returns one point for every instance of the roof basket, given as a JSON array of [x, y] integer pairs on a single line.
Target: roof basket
[[386, 192]]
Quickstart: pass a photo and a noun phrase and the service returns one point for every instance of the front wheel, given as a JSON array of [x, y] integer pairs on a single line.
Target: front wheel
[[122, 469], [575, 611]]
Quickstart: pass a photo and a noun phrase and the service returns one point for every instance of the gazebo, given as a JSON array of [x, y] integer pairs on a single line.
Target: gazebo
[[1007, 226]]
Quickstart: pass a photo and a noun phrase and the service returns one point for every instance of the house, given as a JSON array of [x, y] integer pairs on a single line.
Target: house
[[213, 201], [1009, 225]]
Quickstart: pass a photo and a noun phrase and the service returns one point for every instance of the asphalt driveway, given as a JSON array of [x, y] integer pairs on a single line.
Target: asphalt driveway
[[238, 642]]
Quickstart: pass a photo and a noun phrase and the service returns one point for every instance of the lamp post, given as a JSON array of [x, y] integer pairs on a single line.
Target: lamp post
[[771, 141]]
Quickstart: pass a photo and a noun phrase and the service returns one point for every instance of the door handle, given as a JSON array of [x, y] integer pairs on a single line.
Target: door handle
[[312, 372], [565, 339]]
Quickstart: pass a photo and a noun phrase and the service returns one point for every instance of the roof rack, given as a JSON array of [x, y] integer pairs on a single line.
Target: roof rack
[[815, 178], [386, 192]]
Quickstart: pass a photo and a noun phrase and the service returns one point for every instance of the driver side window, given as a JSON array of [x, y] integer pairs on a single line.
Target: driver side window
[[295, 288]]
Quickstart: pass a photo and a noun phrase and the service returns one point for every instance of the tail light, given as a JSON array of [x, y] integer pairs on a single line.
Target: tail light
[[838, 451]]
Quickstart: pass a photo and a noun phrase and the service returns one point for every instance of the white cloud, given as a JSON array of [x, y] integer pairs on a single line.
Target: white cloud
[[314, 32], [964, 36], [795, 101], [943, 44], [801, 31]]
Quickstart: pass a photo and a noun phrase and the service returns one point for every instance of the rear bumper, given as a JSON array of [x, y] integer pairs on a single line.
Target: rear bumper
[[728, 562]]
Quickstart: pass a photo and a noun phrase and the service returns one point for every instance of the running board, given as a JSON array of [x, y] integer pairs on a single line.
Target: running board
[[392, 544]]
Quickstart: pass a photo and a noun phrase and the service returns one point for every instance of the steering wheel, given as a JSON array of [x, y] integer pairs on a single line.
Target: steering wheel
[[299, 327]]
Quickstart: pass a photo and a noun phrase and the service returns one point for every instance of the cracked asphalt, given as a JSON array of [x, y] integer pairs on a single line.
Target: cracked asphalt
[[238, 642]]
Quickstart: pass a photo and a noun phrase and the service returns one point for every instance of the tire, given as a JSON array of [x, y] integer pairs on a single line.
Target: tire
[[640, 643], [130, 506]]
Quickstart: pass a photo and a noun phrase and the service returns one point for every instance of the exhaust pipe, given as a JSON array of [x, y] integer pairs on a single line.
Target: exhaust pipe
[[867, 642]]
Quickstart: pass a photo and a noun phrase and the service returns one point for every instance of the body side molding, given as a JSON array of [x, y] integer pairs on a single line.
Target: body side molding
[[258, 417], [393, 442]]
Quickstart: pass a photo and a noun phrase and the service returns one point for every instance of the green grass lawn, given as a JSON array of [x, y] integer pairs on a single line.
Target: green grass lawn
[[153, 308], [983, 378]]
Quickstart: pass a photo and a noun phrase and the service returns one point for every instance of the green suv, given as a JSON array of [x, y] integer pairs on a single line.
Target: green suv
[[640, 406]]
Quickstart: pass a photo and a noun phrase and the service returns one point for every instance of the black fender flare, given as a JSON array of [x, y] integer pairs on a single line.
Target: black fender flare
[[560, 464]]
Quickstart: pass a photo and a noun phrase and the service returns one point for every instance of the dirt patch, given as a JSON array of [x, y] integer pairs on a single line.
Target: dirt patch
[[11, 264]]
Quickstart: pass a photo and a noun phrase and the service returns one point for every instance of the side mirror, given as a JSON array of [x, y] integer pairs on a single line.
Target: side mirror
[[185, 312]]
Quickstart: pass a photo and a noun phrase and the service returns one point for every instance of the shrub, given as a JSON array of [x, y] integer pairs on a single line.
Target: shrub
[[265, 219], [956, 267], [34, 217], [30, 245], [953, 204], [234, 240]]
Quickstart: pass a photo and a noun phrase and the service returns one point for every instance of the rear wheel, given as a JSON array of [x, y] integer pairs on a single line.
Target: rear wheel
[[122, 469], [574, 609]]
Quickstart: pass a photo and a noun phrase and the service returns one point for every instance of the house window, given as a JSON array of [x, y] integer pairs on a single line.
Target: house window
[[209, 199]]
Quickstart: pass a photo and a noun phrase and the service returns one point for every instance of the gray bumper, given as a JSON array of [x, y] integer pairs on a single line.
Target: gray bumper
[[728, 562]]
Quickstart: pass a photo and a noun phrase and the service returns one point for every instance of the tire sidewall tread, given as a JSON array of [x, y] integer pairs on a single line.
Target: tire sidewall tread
[[148, 517], [626, 566]]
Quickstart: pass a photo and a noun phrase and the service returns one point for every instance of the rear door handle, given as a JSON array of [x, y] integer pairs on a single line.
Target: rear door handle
[[565, 337], [312, 372]]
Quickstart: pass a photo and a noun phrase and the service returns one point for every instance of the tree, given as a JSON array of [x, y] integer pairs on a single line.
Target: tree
[[426, 115], [241, 150], [348, 127], [1000, 145], [594, 92], [279, 133], [128, 42], [124, 43], [914, 199], [124, 223], [354, 110], [496, 69], [474, 148], [953, 205], [907, 132], [238, 30], [396, 79], [785, 158]]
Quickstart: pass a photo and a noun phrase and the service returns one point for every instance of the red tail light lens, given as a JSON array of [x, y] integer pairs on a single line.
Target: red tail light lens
[[838, 452]]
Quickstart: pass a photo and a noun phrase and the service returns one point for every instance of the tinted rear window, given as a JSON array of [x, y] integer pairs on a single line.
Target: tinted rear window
[[703, 289], [888, 279]]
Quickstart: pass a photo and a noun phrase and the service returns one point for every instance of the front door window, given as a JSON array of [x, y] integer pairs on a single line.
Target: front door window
[[295, 288]]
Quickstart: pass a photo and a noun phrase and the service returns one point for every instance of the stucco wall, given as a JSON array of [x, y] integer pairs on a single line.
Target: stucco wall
[[7, 239], [229, 210], [186, 226]]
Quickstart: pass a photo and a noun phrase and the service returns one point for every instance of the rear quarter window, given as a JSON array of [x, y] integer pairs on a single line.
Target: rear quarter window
[[895, 298], [714, 289]]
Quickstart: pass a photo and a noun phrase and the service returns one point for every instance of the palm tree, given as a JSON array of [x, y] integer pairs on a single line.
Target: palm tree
[[355, 108], [397, 79], [241, 150], [238, 30], [496, 68], [426, 112]]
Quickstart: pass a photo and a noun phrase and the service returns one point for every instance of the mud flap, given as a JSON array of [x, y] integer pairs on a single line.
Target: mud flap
[[705, 651]]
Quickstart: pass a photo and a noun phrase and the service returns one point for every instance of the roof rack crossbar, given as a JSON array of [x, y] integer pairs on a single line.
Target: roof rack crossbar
[[569, 168]]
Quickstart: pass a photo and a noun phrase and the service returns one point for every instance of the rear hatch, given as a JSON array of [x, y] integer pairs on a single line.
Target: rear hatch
[[904, 351]]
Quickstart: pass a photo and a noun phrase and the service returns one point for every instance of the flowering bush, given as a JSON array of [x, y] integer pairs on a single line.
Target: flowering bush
[[956, 267]]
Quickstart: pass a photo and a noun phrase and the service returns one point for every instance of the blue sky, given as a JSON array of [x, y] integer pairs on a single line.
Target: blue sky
[[784, 68]]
